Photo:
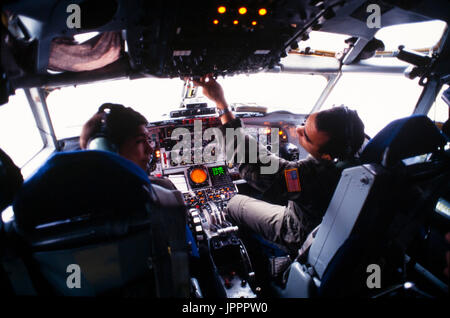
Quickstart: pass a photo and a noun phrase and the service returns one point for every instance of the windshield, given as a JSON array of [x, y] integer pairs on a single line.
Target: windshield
[[71, 107], [19, 136], [296, 93], [379, 97], [421, 35]]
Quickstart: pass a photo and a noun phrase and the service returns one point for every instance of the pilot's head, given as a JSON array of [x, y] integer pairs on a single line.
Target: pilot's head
[[335, 133], [119, 129]]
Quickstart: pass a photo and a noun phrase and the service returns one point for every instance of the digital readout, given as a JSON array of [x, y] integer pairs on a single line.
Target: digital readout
[[217, 171]]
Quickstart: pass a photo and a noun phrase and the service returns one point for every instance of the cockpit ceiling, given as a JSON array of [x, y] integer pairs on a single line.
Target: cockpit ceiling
[[176, 38]]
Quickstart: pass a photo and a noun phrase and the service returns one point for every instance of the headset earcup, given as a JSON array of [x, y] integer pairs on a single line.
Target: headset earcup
[[349, 114], [101, 143]]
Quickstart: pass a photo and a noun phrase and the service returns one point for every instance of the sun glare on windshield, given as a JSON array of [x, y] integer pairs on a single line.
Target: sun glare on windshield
[[71, 107]]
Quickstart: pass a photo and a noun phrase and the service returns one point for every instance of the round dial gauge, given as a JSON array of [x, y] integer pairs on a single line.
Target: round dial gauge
[[198, 175]]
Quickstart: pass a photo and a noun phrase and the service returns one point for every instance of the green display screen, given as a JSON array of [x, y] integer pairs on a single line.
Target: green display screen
[[217, 171]]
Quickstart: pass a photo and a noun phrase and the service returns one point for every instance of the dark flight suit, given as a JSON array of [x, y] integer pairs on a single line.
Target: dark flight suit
[[307, 185]]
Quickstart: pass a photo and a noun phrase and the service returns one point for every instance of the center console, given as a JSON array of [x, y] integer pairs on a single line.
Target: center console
[[206, 188]]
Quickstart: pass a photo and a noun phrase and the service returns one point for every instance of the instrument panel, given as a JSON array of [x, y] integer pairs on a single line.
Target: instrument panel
[[188, 153], [201, 184], [196, 164], [207, 185], [182, 144]]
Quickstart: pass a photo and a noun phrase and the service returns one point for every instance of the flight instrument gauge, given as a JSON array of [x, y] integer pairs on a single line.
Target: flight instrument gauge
[[198, 177]]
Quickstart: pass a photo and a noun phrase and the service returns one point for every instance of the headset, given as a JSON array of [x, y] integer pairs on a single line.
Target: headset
[[349, 116], [102, 139]]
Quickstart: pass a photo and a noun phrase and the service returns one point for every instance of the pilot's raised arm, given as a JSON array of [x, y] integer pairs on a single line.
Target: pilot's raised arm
[[214, 92], [263, 170], [308, 184]]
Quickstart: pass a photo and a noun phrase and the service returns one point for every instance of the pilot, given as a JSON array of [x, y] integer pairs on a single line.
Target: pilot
[[306, 185], [122, 130]]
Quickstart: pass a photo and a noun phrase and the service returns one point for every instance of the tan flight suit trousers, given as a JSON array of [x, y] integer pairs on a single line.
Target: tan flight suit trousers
[[275, 223]]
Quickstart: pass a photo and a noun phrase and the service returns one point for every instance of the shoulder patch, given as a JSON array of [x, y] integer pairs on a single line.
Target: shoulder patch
[[292, 180]]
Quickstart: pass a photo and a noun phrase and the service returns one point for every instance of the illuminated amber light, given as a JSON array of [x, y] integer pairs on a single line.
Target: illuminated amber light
[[235, 22], [221, 9], [242, 10], [198, 175], [254, 23], [158, 154], [262, 11], [216, 21]]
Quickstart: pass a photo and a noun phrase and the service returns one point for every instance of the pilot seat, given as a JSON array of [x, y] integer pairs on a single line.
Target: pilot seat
[[364, 246], [90, 223], [11, 180]]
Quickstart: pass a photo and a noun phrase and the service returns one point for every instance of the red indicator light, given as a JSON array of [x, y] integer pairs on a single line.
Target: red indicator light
[[216, 21], [235, 22], [254, 23]]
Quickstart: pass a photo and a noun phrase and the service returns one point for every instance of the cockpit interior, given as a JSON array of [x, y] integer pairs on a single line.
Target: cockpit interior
[[67, 211]]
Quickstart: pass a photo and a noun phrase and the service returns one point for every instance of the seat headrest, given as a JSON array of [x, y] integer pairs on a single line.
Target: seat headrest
[[10, 180], [80, 183], [403, 138]]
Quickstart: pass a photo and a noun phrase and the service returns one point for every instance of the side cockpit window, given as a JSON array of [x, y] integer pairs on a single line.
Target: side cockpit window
[[19, 135], [378, 99], [440, 111], [420, 36], [386, 92]]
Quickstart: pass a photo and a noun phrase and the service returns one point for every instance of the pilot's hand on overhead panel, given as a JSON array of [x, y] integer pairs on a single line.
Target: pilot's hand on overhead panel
[[212, 90]]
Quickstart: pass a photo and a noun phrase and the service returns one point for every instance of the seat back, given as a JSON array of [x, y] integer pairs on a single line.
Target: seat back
[[10, 180], [89, 222], [393, 209], [403, 138], [342, 214]]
